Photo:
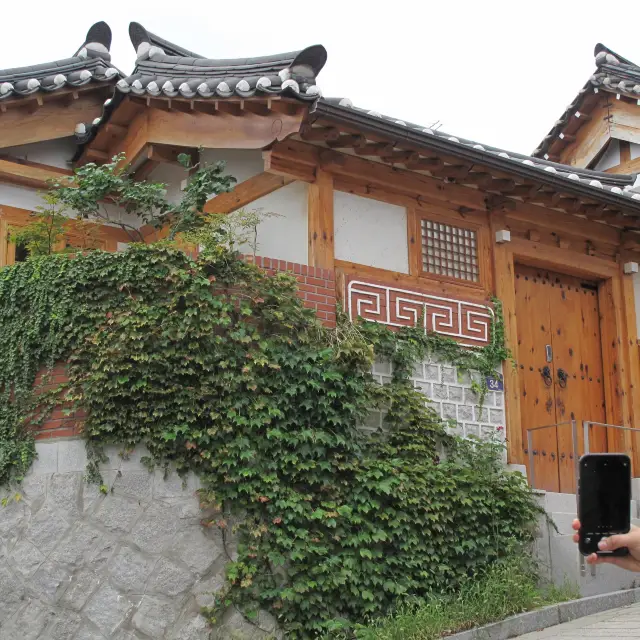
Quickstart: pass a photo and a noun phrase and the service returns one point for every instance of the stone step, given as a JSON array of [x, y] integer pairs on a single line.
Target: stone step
[[566, 503], [560, 502], [566, 567]]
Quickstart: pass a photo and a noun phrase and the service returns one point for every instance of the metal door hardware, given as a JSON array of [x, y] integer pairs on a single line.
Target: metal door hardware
[[549, 352], [563, 377], [546, 375]]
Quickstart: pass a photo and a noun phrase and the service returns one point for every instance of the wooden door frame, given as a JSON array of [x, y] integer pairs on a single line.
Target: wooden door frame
[[619, 336]]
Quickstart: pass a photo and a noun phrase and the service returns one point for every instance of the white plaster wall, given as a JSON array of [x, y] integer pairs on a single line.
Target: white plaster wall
[[172, 175], [57, 153], [611, 156], [283, 236], [21, 197], [635, 150], [370, 232], [240, 163]]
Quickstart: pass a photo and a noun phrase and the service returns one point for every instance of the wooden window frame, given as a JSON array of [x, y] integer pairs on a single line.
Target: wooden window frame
[[414, 222]]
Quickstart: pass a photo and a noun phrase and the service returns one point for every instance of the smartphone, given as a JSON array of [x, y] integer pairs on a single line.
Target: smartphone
[[604, 500]]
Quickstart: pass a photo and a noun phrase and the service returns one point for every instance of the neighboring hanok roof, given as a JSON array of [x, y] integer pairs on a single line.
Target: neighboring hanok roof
[[614, 74], [91, 63], [159, 73], [614, 189]]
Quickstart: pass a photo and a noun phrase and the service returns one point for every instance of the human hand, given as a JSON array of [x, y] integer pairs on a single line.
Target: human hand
[[630, 540]]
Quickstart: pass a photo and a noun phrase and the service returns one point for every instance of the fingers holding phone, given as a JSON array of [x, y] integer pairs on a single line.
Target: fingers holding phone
[[630, 541], [604, 499]]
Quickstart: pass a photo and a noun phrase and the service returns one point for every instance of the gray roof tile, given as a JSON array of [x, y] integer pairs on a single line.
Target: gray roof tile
[[92, 63]]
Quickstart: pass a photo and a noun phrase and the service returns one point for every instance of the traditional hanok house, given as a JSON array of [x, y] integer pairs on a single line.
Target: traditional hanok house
[[393, 219]]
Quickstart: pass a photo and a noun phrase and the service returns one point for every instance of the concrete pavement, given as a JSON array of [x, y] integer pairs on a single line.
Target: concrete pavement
[[623, 623]]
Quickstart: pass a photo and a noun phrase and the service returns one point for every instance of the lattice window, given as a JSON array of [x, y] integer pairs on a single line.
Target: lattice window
[[450, 251]]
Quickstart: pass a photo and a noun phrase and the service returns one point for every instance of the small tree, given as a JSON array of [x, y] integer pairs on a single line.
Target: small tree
[[101, 193]]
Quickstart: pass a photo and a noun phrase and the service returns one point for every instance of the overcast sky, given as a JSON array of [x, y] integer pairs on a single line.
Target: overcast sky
[[497, 72]]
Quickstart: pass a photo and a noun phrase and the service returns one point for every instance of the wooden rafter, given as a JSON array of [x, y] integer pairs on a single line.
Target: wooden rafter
[[246, 192], [29, 174], [50, 121]]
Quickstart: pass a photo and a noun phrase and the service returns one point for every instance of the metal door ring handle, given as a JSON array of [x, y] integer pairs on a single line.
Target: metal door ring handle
[[546, 376], [563, 377]]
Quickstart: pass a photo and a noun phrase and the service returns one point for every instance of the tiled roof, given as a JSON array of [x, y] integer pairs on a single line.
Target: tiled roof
[[160, 72], [91, 63], [626, 187], [614, 74]]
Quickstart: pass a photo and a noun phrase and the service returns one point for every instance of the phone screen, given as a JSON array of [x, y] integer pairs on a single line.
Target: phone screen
[[605, 495]]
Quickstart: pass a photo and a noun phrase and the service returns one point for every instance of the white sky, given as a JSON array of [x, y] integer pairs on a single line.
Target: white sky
[[497, 72]]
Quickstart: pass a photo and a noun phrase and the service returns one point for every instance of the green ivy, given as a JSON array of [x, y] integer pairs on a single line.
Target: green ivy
[[220, 370]]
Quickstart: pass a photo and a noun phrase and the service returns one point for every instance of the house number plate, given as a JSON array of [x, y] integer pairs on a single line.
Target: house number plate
[[495, 384]]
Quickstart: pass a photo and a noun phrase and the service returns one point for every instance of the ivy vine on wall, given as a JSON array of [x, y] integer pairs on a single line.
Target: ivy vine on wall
[[219, 370]]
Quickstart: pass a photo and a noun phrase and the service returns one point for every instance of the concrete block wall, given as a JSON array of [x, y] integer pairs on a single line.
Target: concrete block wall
[[133, 563], [452, 398]]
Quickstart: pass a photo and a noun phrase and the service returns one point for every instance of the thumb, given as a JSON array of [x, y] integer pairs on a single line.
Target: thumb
[[614, 542]]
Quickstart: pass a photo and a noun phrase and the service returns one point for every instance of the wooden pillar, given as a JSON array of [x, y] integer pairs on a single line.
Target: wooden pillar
[[505, 291], [321, 246], [632, 365], [616, 378]]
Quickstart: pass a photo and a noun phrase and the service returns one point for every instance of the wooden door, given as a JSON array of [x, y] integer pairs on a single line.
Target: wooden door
[[558, 329]]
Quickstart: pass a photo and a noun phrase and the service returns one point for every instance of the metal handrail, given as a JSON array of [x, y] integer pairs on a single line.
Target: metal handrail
[[574, 445], [587, 423]]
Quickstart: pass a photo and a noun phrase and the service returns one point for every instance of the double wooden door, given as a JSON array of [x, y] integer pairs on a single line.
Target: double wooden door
[[559, 358]]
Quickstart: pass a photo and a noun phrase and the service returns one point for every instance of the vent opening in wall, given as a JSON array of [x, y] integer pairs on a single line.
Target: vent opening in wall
[[450, 251]]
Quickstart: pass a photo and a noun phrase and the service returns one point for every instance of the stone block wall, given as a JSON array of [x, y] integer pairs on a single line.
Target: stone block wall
[[132, 564], [452, 398]]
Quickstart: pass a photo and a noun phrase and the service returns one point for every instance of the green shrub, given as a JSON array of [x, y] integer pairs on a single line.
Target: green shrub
[[503, 589]]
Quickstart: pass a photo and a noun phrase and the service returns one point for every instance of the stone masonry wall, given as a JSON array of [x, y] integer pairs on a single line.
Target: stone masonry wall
[[132, 564], [452, 398]]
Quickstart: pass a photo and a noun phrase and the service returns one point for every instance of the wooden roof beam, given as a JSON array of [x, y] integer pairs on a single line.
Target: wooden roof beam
[[246, 192], [52, 120], [29, 174], [257, 108], [347, 141], [319, 134]]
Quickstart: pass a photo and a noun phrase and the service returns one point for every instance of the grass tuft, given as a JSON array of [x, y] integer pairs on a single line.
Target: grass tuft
[[505, 589]]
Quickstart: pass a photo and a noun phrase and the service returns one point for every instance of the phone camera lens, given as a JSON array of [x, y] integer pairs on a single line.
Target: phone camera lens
[[587, 540]]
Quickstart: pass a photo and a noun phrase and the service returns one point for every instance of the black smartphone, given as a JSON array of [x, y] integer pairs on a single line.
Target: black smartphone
[[604, 500]]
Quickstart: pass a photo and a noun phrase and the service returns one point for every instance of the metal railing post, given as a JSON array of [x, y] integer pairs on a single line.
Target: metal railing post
[[574, 446], [585, 427], [531, 471]]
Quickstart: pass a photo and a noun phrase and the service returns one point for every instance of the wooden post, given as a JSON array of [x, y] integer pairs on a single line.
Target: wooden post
[[505, 290], [632, 364], [321, 245]]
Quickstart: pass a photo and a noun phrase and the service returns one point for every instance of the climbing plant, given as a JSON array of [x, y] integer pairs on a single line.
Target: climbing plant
[[220, 370]]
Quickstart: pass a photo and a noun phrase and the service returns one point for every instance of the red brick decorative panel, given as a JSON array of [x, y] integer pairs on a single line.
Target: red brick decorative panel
[[316, 286], [469, 322], [61, 422]]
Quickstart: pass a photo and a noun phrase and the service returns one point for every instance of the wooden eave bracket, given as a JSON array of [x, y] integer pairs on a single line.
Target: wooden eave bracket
[[246, 192]]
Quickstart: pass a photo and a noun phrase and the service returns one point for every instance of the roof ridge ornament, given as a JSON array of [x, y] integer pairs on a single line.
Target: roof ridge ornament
[[97, 43], [141, 41]]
